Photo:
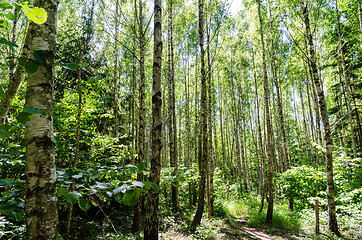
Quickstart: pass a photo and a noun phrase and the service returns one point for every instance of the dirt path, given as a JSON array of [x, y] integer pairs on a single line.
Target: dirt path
[[223, 229]]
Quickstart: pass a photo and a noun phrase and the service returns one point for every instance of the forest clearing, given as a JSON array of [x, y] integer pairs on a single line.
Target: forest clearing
[[180, 119]]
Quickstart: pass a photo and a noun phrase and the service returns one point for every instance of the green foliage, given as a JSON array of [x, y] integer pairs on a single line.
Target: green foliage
[[302, 183]]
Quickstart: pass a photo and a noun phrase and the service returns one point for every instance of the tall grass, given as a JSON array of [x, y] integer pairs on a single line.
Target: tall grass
[[248, 208]]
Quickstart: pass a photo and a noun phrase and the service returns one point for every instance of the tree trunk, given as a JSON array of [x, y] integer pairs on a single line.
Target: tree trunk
[[151, 227], [172, 115], [332, 218], [210, 184], [204, 158], [279, 102], [41, 192], [115, 76], [360, 14], [261, 147], [269, 145], [346, 84], [142, 117]]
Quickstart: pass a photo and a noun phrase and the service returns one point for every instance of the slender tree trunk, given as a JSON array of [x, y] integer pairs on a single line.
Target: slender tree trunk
[[134, 76], [172, 115], [115, 76], [210, 184], [261, 148], [77, 141], [360, 14], [332, 218], [204, 159], [41, 192], [269, 145], [279, 103], [222, 135], [151, 228], [346, 84], [142, 116]]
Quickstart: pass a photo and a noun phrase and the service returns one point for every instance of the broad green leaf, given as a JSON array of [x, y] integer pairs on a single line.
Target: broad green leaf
[[4, 132], [9, 43], [138, 184], [39, 55], [31, 67], [62, 192], [130, 197], [5, 5], [71, 198], [141, 166], [22, 61], [147, 185], [11, 205], [83, 204], [33, 110], [83, 64], [24, 117], [121, 189], [71, 66], [37, 15], [4, 23], [10, 16]]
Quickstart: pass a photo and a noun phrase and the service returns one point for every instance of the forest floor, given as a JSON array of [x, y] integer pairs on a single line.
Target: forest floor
[[234, 229]]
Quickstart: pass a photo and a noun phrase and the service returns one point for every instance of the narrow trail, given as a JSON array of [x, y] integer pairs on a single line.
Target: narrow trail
[[227, 230]]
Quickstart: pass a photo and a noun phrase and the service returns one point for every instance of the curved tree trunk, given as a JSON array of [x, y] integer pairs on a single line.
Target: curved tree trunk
[[41, 200]]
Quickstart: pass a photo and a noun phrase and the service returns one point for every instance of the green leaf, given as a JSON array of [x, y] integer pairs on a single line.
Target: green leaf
[[138, 184], [71, 198], [11, 205], [4, 132], [5, 5], [9, 43], [131, 168], [33, 110], [31, 67], [122, 189], [37, 15], [39, 55], [62, 192], [10, 16], [155, 187], [22, 61], [83, 204], [71, 66], [141, 166], [130, 197], [4, 23], [24, 117], [83, 64]]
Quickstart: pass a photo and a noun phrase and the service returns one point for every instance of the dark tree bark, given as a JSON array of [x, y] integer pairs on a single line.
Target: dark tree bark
[[151, 228], [172, 115]]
